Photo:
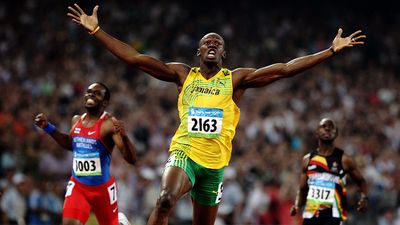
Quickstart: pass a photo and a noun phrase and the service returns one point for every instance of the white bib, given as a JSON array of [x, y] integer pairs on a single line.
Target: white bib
[[87, 164], [205, 122], [321, 191]]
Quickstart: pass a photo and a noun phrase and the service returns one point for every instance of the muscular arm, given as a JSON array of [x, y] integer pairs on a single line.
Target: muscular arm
[[301, 196], [352, 169], [250, 77], [65, 140], [171, 72], [303, 187], [62, 139], [121, 140], [126, 148]]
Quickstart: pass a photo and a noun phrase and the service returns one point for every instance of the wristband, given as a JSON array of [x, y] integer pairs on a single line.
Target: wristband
[[50, 129], [95, 30]]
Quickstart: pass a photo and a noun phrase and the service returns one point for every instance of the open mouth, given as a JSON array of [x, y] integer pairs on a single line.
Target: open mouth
[[90, 101], [211, 53], [326, 135]]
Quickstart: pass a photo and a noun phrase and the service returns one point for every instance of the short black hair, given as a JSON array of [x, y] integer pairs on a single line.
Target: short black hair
[[107, 95], [212, 34]]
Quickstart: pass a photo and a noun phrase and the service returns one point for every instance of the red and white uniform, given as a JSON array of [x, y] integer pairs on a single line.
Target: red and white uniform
[[91, 185]]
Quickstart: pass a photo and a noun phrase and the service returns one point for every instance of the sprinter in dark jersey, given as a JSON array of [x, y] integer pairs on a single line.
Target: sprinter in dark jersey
[[322, 190], [91, 140]]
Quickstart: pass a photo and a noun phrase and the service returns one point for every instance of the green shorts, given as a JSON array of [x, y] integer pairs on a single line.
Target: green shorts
[[206, 183]]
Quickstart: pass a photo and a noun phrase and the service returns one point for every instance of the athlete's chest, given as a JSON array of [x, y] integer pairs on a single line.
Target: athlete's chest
[[207, 92], [91, 132], [86, 139]]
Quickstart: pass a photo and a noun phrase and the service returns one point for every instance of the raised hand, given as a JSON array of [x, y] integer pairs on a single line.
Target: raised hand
[[81, 18], [340, 42], [41, 120]]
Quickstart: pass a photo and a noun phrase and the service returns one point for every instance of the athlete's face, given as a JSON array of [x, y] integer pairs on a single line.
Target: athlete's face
[[211, 48], [327, 130], [94, 96]]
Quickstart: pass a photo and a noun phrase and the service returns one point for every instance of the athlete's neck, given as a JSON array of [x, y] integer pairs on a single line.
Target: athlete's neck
[[209, 70], [93, 114], [325, 149]]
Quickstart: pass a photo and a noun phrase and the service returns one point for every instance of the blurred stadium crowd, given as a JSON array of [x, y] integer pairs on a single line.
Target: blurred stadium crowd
[[47, 62]]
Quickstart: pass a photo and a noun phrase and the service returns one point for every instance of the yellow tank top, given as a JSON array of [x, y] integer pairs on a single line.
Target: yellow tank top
[[208, 119]]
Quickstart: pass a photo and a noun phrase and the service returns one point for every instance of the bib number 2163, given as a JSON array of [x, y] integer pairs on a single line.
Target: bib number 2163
[[205, 122]]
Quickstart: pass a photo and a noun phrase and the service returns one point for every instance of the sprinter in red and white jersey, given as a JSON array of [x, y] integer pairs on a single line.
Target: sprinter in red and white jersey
[[91, 140]]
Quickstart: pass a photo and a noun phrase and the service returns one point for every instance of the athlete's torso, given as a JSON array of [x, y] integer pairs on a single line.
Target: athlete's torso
[[326, 182], [208, 119], [91, 158]]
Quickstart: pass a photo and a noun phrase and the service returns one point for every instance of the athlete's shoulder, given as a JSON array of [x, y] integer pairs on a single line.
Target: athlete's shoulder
[[240, 74], [305, 161], [242, 71], [307, 157], [109, 118], [226, 71], [178, 65], [107, 126], [179, 68], [76, 118]]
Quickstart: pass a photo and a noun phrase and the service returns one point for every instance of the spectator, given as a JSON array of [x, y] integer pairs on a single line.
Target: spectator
[[13, 202]]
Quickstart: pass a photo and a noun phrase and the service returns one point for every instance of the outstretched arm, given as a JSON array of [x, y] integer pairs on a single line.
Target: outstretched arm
[[123, 142], [249, 78], [171, 72], [352, 169], [64, 140], [301, 196]]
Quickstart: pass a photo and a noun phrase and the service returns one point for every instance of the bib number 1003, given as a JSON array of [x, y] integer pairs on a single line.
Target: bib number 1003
[[81, 166], [87, 167]]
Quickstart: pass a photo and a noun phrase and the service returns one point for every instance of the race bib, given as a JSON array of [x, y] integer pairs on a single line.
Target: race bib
[[87, 164], [321, 192], [205, 122]]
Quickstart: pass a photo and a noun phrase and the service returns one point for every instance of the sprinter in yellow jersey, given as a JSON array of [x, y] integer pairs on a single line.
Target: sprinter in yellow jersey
[[208, 109]]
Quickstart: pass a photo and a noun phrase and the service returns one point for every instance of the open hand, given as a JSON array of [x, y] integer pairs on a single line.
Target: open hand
[[340, 42], [81, 18]]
